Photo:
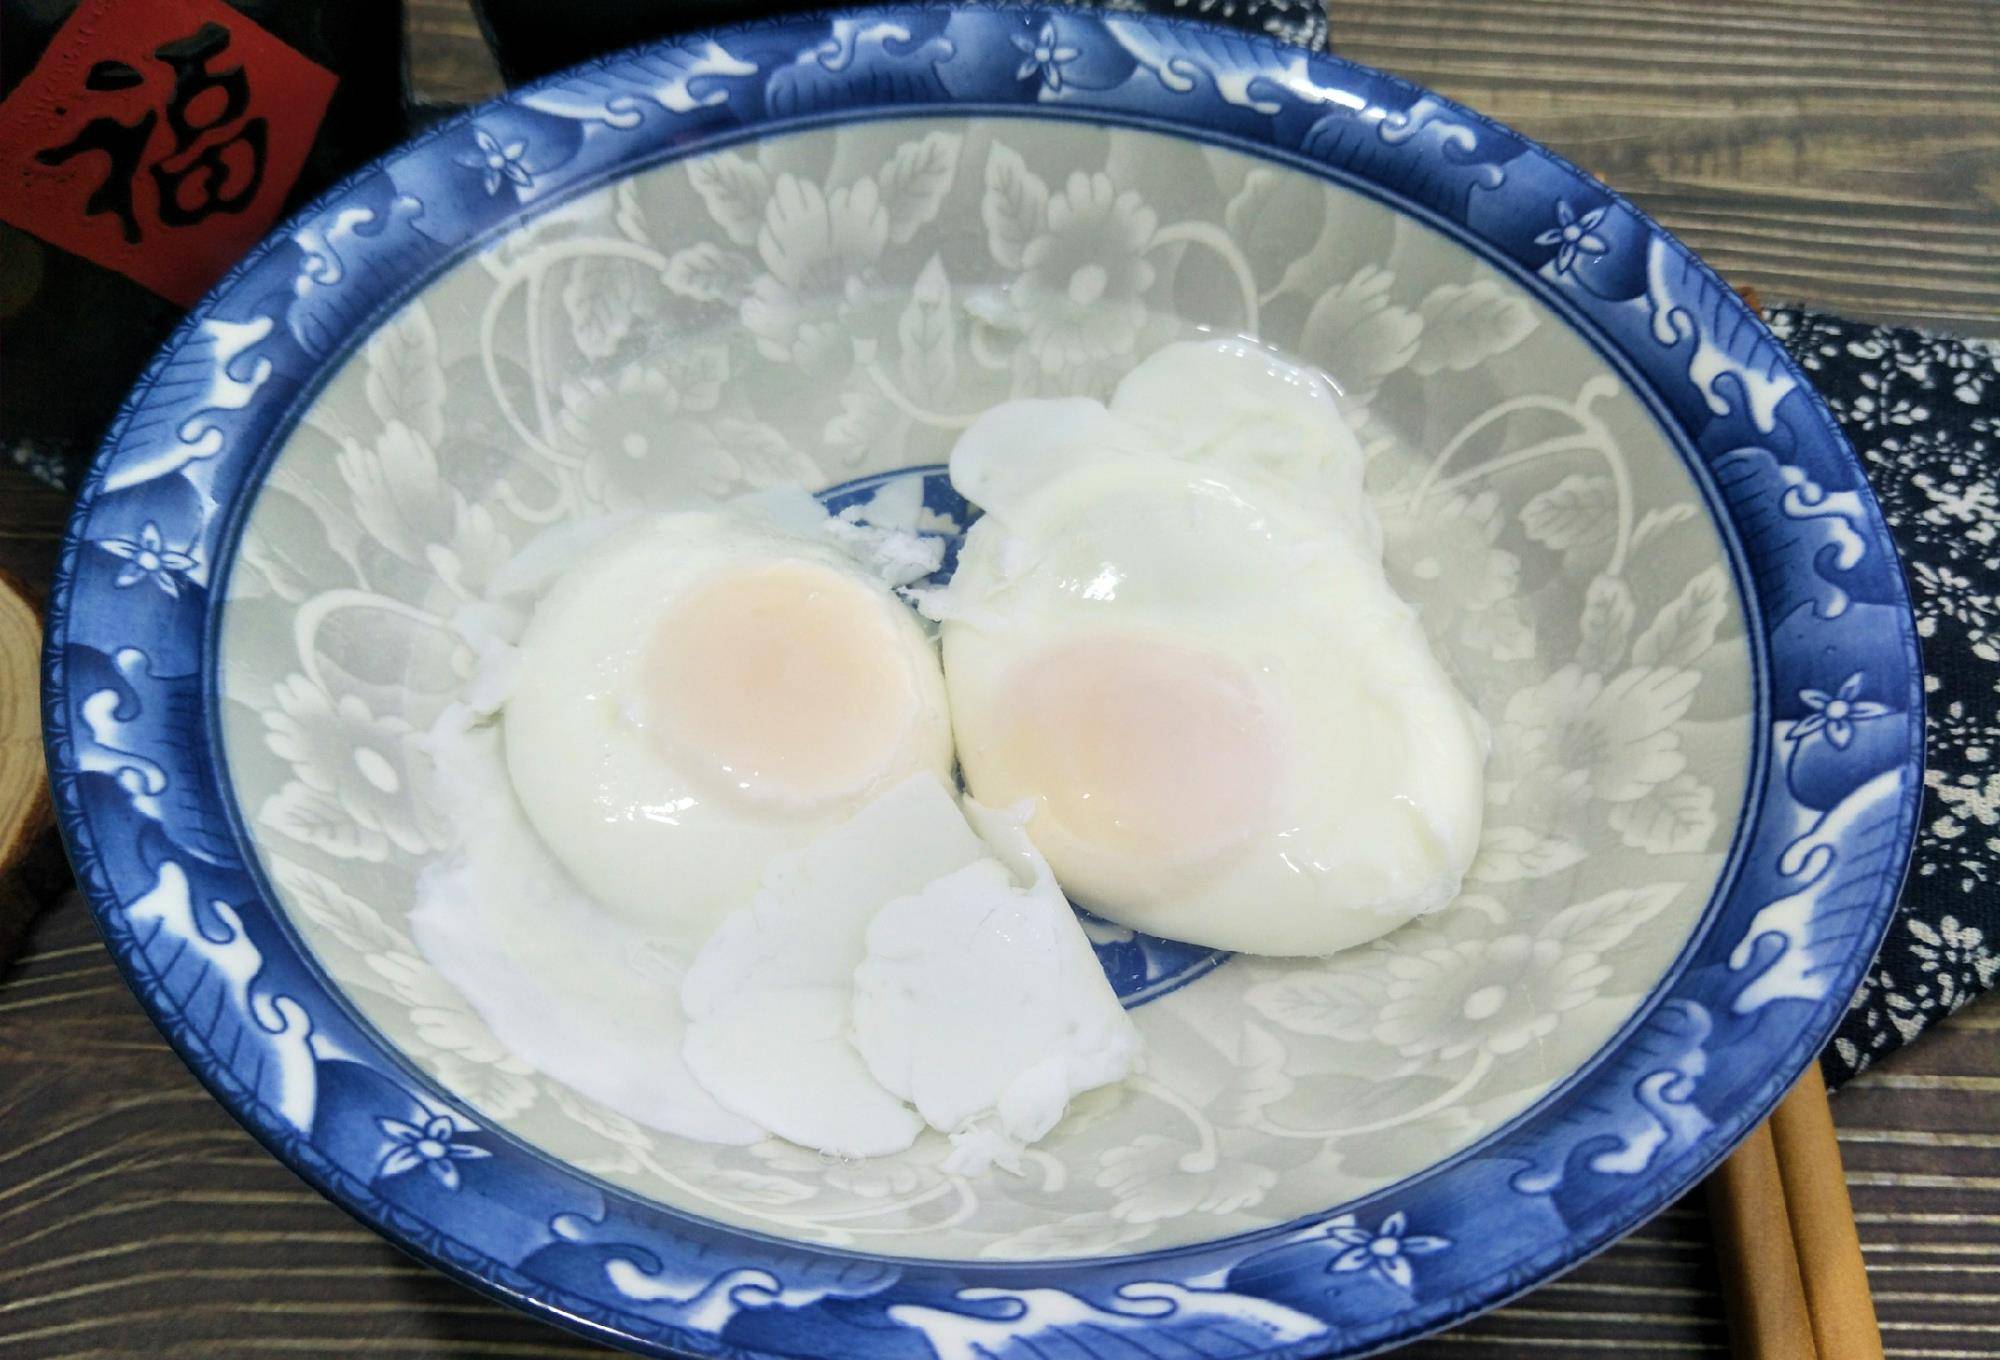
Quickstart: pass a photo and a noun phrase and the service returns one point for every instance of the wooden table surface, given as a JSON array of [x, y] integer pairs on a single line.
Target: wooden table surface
[[1843, 154]]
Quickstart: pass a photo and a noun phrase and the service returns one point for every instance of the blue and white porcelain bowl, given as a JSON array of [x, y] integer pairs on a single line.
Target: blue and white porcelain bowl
[[747, 258]]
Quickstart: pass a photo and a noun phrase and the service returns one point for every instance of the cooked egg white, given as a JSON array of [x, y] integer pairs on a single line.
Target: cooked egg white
[[887, 954], [1171, 634], [769, 997], [703, 691], [980, 1000], [897, 959], [566, 986]]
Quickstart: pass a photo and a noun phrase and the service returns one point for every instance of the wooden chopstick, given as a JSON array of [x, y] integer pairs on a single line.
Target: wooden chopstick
[[1793, 1280], [1761, 1285], [1822, 1219]]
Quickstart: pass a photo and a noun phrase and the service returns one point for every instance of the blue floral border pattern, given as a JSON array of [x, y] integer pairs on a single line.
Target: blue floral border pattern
[[128, 689]]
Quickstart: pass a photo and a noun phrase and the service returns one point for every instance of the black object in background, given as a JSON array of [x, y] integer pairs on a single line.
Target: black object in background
[[74, 335]]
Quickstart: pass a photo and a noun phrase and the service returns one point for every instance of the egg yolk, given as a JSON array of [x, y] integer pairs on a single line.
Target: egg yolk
[[1135, 746], [784, 681]]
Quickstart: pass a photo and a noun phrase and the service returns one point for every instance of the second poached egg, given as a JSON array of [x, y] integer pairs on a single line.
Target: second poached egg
[[1172, 634]]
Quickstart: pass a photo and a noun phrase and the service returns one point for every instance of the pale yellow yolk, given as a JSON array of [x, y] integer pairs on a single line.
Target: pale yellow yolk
[[1138, 747], [783, 681]]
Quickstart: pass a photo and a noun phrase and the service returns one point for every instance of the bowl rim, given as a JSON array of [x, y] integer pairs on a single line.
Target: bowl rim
[[1689, 306]]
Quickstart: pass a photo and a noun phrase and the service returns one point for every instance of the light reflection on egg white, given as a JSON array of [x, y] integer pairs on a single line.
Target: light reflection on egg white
[[1104, 585], [667, 813]]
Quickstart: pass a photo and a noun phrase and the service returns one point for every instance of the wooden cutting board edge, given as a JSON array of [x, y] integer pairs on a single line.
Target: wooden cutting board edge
[[26, 814]]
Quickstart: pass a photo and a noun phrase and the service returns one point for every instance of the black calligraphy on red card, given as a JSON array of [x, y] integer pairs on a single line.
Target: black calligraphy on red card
[[158, 138]]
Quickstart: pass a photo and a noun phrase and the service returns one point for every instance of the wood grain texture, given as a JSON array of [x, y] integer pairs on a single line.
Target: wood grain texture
[[448, 59], [24, 800], [1845, 154]]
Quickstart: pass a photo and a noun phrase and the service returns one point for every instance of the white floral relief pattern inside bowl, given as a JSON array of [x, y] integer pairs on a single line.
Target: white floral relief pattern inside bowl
[[838, 303]]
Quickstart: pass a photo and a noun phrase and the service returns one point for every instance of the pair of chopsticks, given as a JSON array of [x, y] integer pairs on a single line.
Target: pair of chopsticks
[[1792, 1275]]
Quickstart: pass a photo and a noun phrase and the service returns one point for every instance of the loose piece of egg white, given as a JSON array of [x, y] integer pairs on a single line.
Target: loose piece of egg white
[[1172, 634], [980, 997], [768, 998], [896, 958]]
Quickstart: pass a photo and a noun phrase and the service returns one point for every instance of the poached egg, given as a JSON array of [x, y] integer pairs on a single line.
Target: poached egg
[[1172, 637]]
